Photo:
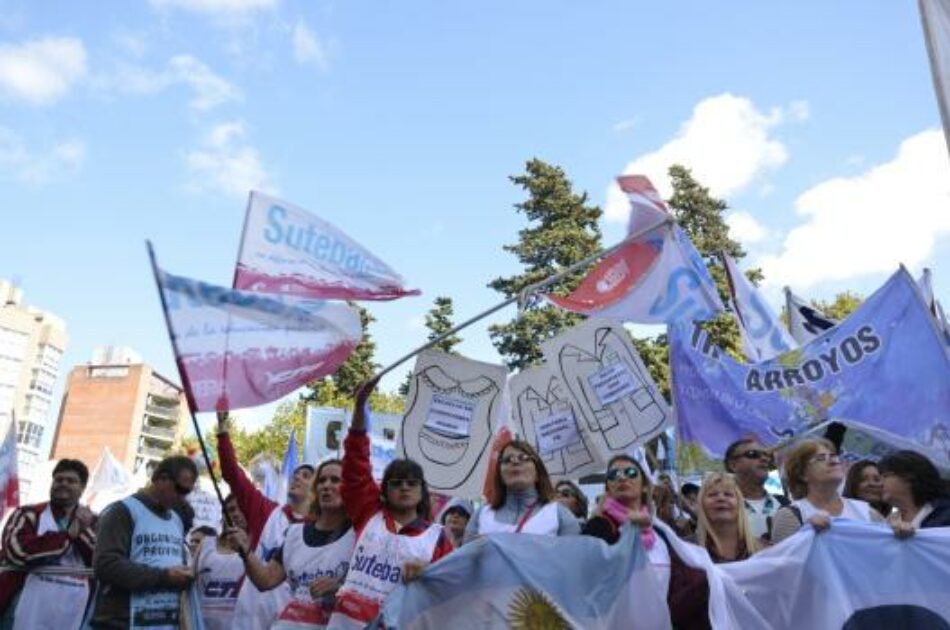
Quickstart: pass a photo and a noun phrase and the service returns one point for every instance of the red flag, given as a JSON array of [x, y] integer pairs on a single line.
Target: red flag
[[9, 479]]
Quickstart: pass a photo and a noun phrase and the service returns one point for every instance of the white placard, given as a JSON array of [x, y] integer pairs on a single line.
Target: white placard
[[557, 430], [207, 508], [612, 383], [450, 415]]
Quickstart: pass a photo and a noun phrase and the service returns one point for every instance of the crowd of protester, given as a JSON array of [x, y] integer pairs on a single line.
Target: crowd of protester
[[331, 555]]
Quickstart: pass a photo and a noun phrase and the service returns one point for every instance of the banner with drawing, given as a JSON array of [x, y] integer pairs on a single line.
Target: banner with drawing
[[618, 403], [544, 414], [452, 410]]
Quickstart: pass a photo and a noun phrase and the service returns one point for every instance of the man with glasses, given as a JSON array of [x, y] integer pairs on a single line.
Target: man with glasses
[[141, 560], [751, 462]]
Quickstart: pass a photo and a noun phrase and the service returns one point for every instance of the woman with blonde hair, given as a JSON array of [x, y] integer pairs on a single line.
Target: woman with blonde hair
[[813, 474], [722, 525]]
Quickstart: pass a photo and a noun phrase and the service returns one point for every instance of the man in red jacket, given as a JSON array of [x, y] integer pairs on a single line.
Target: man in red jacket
[[58, 533], [266, 523]]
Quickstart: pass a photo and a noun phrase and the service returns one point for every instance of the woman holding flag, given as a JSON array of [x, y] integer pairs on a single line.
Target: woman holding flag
[[394, 538], [314, 557]]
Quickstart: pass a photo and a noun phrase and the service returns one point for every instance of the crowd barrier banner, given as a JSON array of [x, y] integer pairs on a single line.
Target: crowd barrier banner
[[285, 249], [884, 367], [522, 581]]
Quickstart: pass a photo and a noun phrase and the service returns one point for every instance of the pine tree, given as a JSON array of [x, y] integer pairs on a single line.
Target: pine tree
[[562, 231], [439, 321]]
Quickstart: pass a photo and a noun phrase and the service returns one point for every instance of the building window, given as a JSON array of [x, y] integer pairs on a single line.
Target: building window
[[108, 372], [29, 433]]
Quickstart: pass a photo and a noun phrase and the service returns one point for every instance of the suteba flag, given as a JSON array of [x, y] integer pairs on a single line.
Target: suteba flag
[[287, 250], [805, 322], [763, 336], [240, 349]]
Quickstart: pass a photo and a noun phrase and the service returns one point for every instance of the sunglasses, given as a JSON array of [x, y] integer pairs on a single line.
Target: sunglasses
[[394, 484], [515, 458], [754, 454], [566, 493], [630, 472]]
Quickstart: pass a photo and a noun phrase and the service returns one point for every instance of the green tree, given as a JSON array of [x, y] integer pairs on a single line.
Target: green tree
[[273, 437], [355, 370], [562, 230], [839, 308], [439, 322]]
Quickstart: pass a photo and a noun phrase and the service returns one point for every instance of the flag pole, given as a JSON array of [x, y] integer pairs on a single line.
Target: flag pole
[[522, 296], [189, 397]]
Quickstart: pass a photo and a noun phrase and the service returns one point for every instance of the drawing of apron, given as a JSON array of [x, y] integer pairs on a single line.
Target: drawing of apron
[[52, 602]]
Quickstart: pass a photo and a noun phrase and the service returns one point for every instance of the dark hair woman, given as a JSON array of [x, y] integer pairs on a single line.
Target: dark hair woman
[[571, 497], [394, 538], [913, 485], [523, 498], [864, 482]]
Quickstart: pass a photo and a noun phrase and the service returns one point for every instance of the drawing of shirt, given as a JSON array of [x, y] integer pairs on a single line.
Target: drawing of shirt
[[449, 456], [633, 418], [532, 407]]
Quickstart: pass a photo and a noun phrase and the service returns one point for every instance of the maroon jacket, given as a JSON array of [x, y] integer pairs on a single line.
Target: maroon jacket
[[23, 547]]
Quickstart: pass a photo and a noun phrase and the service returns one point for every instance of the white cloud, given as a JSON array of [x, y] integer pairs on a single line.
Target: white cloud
[[41, 71], [39, 167], [307, 48], [226, 163], [745, 228], [216, 7], [727, 142], [852, 226], [208, 89]]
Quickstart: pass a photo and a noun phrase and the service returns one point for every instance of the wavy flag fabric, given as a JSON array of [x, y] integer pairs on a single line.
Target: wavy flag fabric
[[658, 278], [935, 19], [524, 581], [925, 282], [805, 322], [884, 367], [9, 479], [240, 349], [287, 250], [763, 335]]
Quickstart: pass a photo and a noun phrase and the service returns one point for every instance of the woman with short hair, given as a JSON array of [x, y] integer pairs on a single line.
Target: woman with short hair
[[813, 474], [722, 525], [522, 498], [913, 485]]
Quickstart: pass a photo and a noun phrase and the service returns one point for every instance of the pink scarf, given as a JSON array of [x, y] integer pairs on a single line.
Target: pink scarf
[[647, 534]]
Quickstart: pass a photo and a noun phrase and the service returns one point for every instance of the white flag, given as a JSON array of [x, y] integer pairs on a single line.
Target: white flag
[[763, 336], [935, 17], [804, 320]]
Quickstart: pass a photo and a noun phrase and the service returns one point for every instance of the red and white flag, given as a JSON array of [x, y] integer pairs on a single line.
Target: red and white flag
[[656, 278], [287, 250], [9, 479], [240, 349]]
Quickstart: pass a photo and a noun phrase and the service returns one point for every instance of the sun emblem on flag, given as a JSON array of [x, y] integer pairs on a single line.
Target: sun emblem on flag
[[532, 610]]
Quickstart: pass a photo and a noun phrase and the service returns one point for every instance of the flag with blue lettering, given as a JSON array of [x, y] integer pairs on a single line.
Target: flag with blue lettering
[[883, 367], [654, 279], [240, 349], [763, 335], [285, 249], [527, 581], [853, 576]]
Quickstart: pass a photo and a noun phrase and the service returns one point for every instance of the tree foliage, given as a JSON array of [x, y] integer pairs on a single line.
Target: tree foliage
[[562, 230]]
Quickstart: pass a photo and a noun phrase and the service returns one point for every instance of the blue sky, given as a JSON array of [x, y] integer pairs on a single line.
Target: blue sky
[[400, 123]]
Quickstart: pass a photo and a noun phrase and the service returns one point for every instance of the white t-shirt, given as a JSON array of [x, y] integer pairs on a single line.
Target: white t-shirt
[[758, 512], [853, 509]]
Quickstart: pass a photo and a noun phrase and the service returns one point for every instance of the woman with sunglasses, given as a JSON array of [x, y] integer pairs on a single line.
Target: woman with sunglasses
[[571, 497], [627, 500], [722, 525], [394, 538], [314, 558], [813, 474], [522, 499]]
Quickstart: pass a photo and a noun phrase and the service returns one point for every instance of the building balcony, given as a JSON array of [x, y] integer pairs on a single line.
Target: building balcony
[[161, 433], [151, 452], [161, 411]]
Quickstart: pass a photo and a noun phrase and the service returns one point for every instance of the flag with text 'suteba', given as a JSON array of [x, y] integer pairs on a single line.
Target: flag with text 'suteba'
[[287, 250]]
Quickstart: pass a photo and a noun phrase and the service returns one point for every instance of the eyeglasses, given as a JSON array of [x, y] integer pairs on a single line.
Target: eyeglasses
[[630, 472], [394, 484], [754, 453], [825, 458], [566, 493], [515, 458]]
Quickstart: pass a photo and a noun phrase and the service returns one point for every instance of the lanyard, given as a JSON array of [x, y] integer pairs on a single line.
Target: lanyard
[[524, 519]]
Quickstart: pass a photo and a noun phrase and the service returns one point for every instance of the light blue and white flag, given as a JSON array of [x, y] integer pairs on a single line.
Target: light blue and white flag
[[805, 322], [853, 576], [883, 367], [763, 335], [288, 466], [526, 581]]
